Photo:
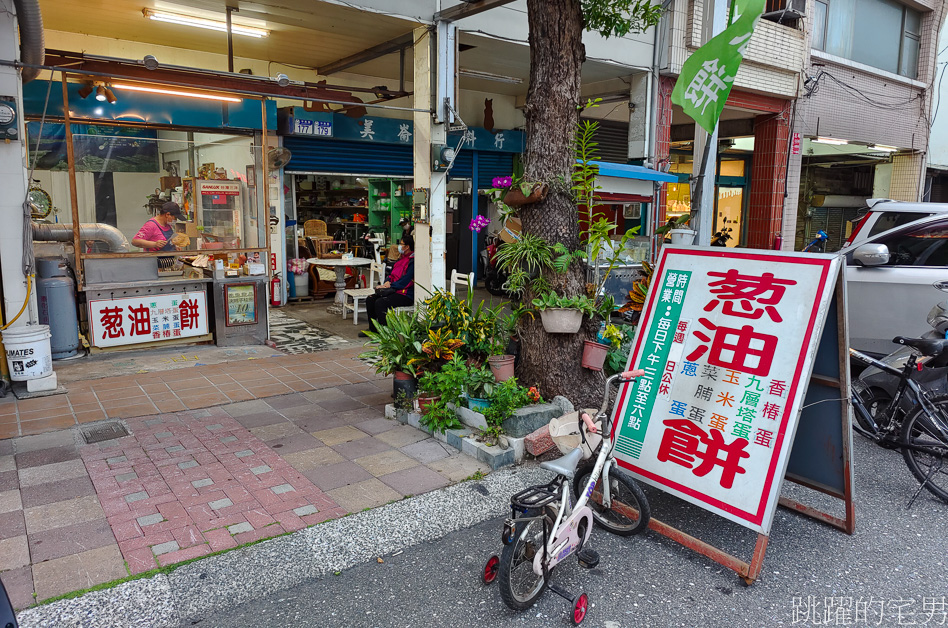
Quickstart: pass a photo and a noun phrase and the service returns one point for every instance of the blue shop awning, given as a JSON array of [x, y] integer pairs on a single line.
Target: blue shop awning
[[637, 183]]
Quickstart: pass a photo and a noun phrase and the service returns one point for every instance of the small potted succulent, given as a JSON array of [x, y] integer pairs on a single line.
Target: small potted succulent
[[480, 388]]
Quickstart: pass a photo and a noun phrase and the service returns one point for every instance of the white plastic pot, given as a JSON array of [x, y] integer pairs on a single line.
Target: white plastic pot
[[560, 320], [682, 236]]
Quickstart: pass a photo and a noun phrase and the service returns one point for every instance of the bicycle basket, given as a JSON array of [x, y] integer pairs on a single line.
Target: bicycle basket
[[564, 431]]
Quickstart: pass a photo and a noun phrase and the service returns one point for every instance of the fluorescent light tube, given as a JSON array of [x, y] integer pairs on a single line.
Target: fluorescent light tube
[[200, 22], [174, 92]]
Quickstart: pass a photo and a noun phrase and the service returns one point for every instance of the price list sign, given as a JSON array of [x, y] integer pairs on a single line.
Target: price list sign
[[726, 342]]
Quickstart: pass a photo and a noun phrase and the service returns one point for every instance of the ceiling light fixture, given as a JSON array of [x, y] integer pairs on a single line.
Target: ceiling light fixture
[[175, 92], [487, 76], [110, 96], [830, 140], [200, 22], [100, 93], [86, 89]]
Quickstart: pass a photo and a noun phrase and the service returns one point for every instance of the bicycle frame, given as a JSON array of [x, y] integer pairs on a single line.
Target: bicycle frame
[[564, 537], [905, 381]]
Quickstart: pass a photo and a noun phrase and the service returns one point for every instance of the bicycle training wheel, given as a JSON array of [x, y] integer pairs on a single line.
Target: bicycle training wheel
[[629, 513], [520, 586], [918, 430]]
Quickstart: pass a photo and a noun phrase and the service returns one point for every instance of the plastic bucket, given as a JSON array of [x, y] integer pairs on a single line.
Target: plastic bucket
[[682, 236], [28, 352]]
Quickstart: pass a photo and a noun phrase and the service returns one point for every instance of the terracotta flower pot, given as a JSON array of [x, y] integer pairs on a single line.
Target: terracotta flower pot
[[594, 355], [502, 366], [426, 400], [515, 197]]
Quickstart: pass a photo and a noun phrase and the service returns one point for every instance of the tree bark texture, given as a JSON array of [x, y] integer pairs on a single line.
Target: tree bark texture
[[553, 361]]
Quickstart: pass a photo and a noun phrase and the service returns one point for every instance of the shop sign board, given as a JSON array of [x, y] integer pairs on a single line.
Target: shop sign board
[[795, 144], [391, 131], [727, 341], [147, 318], [220, 188]]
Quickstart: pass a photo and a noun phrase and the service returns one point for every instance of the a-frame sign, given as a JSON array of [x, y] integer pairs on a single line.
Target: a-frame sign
[[747, 380]]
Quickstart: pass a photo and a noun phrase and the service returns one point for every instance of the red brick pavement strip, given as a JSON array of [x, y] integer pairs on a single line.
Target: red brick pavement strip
[[143, 394], [196, 518]]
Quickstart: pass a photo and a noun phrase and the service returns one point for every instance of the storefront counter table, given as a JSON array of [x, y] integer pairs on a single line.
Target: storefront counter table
[[339, 265], [167, 309]]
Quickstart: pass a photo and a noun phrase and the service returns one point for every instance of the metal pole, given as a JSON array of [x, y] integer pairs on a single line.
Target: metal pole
[[230, 40], [73, 189]]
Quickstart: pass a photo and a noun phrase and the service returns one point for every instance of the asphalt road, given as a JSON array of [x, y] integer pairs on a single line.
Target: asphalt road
[[890, 572]]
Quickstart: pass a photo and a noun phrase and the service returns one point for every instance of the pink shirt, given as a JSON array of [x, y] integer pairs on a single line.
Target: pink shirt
[[152, 231]]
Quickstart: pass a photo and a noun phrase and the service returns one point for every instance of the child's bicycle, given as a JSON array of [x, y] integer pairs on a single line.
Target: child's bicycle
[[545, 528]]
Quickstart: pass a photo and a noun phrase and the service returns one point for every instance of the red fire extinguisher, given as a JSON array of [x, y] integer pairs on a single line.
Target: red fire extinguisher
[[276, 291]]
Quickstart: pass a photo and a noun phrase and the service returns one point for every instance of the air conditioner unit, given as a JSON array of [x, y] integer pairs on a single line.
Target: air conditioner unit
[[791, 10]]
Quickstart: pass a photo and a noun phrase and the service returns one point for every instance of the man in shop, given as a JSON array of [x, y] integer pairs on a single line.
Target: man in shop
[[398, 291], [156, 234]]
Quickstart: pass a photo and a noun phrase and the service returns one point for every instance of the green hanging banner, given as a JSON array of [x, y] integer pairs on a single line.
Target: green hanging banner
[[708, 74]]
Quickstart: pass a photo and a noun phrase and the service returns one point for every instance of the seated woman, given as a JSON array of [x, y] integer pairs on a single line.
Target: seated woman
[[398, 291]]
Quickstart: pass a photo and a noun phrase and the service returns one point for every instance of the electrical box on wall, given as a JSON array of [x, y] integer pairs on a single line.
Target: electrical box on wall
[[442, 157], [419, 199], [9, 124]]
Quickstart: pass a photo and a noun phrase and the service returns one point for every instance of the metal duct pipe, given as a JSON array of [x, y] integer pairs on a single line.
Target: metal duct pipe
[[114, 238], [32, 39]]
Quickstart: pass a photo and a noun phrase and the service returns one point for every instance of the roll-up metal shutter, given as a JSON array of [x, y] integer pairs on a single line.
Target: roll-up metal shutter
[[489, 165], [613, 138], [310, 155]]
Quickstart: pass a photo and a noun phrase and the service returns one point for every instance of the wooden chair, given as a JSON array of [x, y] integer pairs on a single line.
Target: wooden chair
[[320, 287], [359, 294], [457, 279], [316, 229]]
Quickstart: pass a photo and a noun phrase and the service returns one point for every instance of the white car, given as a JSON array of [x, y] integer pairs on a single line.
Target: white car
[[881, 215], [890, 282]]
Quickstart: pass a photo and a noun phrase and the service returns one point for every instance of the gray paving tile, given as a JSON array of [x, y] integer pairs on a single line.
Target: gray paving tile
[[361, 447], [282, 488], [337, 475], [228, 439], [60, 514], [46, 456], [163, 435], [149, 520], [135, 497], [220, 503], [288, 401], [174, 449], [125, 477], [244, 408], [116, 459], [261, 469], [237, 528], [12, 524], [62, 438], [202, 483], [215, 427], [187, 465], [376, 425], [260, 419], [302, 511], [51, 473], [244, 453], [415, 481], [428, 450], [293, 444], [165, 548]]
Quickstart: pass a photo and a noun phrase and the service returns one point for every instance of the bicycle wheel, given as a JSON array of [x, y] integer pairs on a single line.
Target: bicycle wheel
[[520, 586], [918, 430], [629, 513], [875, 401]]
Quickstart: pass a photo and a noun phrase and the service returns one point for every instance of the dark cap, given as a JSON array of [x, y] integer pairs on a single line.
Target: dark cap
[[171, 208]]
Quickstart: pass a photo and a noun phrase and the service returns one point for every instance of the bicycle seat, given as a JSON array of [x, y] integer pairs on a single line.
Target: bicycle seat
[[565, 465], [926, 346]]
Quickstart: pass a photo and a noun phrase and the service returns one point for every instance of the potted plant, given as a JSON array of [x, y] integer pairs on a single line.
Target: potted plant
[[480, 387], [508, 396], [442, 393], [595, 352], [395, 349], [563, 315], [678, 230]]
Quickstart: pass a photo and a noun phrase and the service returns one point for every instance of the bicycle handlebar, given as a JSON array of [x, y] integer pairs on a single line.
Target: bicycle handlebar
[[624, 377]]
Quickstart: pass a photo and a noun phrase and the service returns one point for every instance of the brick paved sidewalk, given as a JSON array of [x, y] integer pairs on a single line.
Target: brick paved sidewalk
[[196, 386], [191, 482]]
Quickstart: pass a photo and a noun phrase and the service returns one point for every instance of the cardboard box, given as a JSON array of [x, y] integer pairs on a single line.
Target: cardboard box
[[511, 230]]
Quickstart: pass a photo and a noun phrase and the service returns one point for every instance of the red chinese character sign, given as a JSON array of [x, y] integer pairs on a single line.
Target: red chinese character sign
[[149, 318], [727, 341]]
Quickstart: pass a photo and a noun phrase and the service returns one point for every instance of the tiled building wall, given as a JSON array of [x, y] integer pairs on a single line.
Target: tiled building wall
[[765, 209], [906, 177], [774, 58]]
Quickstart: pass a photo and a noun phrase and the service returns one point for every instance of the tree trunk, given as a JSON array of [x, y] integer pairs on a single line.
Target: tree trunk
[[553, 361]]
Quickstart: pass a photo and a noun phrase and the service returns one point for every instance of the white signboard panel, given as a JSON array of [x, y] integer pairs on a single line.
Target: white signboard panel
[[148, 318], [727, 341]]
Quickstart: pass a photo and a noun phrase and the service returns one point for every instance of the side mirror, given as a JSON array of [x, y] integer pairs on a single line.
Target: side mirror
[[871, 255]]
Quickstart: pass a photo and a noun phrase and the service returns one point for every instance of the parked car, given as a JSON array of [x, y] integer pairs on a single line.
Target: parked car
[[881, 215], [890, 279]]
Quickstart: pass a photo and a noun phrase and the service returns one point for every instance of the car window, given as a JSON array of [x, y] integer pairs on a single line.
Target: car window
[[891, 220], [925, 245]]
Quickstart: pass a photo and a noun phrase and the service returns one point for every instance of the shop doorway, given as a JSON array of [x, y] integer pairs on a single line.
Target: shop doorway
[[729, 213]]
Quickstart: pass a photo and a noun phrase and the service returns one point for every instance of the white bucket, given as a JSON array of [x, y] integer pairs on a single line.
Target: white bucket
[[302, 284], [28, 353], [682, 236]]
